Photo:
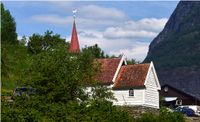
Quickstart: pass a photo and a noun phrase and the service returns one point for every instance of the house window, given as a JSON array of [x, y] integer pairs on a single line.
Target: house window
[[131, 92]]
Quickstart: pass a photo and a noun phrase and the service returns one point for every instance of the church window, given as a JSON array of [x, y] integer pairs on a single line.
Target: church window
[[131, 92]]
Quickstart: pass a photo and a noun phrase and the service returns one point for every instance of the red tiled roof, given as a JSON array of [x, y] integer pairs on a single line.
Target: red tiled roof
[[74, 44], [108, 67], [131, 76]]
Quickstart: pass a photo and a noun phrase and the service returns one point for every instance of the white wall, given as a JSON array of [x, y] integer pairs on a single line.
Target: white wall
[[151, 97], [123, 97], [148, 96]]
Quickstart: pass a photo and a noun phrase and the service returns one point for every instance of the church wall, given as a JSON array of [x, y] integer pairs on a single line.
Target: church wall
[[151, 97], [123, 97]]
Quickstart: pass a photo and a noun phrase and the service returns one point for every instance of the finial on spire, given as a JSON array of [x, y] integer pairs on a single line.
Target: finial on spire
[[74, 44], [74, 13]]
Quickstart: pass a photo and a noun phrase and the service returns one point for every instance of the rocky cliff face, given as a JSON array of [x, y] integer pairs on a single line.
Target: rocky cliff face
[[185, 18], [176, 50]]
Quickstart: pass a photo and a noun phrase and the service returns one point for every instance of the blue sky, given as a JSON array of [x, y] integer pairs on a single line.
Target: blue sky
[[117, 27]]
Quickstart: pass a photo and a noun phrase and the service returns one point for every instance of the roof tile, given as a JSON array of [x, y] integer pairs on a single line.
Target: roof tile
[[131, 76], [108, 68]]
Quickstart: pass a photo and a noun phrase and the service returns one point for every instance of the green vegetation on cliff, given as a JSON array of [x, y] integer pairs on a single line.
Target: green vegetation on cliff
[[176, 50]]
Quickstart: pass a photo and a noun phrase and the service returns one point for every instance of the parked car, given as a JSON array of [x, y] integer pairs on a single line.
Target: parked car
[[24, 90], [185, 110], [195, 108]]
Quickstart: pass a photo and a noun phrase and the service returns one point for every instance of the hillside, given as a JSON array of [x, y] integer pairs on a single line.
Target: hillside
[[176, 50]]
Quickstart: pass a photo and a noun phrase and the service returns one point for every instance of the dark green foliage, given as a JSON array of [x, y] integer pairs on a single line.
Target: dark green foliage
[[164, 116], [23, 41], [148, 117], [15, 61], [60, 79], [98, 93], [57, 71], [39, 43], [96, 110], [104, 111], [9, 39], [8, 27], [95, 51], [132, 61]]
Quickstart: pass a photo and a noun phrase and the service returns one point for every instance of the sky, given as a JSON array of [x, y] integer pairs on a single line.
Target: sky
[[118, 27]]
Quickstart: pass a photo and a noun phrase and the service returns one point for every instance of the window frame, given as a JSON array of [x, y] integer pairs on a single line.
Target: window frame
[[131, 92]]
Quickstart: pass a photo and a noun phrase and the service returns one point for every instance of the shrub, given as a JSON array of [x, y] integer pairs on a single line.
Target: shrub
[[164, 116]]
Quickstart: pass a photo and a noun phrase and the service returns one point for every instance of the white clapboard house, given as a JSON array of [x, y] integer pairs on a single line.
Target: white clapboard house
[[131, 84]]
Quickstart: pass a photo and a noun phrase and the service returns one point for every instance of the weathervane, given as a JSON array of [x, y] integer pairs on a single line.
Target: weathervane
[[74, 13]]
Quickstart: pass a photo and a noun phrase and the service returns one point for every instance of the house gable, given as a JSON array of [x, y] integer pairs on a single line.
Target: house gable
[[122, 62], [152, 78]]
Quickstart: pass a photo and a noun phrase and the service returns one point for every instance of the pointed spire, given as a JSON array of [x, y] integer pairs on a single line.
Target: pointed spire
[[74, 44]]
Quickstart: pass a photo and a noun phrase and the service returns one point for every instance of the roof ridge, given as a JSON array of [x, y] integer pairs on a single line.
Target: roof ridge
[[135, 64]]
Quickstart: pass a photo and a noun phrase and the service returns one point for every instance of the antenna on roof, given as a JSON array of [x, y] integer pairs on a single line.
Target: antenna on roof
[[74, 13]]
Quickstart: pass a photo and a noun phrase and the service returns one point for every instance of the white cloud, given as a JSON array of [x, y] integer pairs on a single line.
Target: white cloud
[[52, 19], [118, 32], [154, 23], [97, 12], [131, 48], [19, 37], [89, 16], [144, 28], [138, 51], [121, 39], [148, 24], [110, 28]]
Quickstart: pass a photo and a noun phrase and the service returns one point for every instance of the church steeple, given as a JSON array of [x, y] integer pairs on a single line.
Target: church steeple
[[74, 44]]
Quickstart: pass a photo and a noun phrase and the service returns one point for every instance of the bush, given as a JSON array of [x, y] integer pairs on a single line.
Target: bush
[[60, 79], [164, 116]]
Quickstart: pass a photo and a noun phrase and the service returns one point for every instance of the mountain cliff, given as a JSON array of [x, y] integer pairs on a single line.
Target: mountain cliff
[[176, 50]]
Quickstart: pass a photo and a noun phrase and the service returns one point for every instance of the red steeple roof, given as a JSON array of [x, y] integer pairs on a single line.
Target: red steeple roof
[[74, 44]]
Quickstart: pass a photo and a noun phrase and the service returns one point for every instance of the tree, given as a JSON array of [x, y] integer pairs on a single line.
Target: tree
[[23, 41], [95, 51], [132, 61], [8, 27], [39, 43], [8, 36], [60, 79]]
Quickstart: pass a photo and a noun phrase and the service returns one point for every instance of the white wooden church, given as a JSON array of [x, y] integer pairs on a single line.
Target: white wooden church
[[135, 84], [132, 85]]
